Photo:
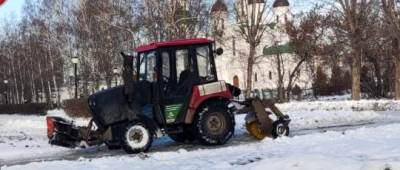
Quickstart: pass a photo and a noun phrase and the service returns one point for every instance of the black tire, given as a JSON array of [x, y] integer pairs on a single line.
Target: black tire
[[136, 138], [279, 129], [214, 124]]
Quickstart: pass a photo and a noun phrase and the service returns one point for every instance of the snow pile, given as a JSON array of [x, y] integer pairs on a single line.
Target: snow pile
[[316, 114], [26, 136], [363, 105], [355, 149]]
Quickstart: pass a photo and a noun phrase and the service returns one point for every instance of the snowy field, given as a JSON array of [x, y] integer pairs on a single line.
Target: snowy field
[[325, 134]]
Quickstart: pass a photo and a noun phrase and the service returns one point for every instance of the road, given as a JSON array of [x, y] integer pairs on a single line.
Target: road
[[164, 144]]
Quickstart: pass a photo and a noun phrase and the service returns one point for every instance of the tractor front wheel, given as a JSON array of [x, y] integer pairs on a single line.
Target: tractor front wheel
[[214, 125], [136, 138]]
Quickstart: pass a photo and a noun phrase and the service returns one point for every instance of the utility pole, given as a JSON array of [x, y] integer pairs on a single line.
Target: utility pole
[[6, 92], [115, 71], [75, 61]]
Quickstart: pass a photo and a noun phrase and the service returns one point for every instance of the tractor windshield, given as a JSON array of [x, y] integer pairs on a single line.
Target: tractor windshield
[[147, 68]]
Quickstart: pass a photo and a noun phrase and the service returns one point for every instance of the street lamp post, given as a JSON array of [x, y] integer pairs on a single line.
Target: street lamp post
[[75, 61], [115, 71], [6, 92]]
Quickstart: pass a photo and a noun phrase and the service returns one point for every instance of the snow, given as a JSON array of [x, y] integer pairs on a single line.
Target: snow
[[22, 136], [371, 147], [353, 149]]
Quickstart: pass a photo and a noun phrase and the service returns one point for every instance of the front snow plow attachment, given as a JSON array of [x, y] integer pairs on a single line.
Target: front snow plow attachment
[[258, 121], [64, 133]]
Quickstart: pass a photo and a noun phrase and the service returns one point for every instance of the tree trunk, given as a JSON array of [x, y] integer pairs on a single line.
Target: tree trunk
[[397, 78], [281, 89], [250, 65], [356, 77], [291, 79]]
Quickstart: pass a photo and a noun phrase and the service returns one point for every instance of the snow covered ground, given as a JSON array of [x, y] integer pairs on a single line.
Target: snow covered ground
[[354, 149], [371, 145]]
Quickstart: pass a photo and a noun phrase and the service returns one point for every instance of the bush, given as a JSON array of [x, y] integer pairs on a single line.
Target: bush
[[321, 83], [338, 82], [77, 108], [25, 109]]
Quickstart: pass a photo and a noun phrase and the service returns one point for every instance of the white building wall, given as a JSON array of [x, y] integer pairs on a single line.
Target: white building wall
[[233, 61]]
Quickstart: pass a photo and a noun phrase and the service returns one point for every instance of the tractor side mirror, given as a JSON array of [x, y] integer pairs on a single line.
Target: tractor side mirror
[[219, 51]]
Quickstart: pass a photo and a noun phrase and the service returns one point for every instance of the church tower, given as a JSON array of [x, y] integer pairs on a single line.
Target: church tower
[[281, 15], [281, 12], [220, 19]]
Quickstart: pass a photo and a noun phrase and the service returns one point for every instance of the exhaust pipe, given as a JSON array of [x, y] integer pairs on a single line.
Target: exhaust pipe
[[127, 75]]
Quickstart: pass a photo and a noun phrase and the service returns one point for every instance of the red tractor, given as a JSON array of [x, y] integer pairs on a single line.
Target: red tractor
[[170, 88]]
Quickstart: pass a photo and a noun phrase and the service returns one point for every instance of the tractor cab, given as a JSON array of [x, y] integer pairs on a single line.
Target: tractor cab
[[171, 70]]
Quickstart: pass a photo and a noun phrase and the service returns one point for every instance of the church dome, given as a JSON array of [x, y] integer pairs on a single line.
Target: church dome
[[281, 3], [219, 6]]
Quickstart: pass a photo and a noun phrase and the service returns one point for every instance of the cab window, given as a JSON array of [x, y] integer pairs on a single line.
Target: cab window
[[182, 62], [204, 63], [147, 70], [166, 67]]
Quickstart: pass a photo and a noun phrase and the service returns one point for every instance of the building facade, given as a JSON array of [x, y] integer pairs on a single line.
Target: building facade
[[232, 65]]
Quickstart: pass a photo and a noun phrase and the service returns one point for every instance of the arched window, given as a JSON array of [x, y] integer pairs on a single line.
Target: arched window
[[270, 75]]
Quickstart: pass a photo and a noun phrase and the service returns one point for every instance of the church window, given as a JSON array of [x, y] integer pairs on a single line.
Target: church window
[[255, 77], [270, 75]]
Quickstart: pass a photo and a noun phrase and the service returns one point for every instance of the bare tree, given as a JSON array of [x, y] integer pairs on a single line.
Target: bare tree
[[307, 40], [173, 19], [352, 20], [252, 23], [392, 18]]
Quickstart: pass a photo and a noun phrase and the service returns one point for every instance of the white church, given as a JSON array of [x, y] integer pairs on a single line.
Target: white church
[[232, 65]]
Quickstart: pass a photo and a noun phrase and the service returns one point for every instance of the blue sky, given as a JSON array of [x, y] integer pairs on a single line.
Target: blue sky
[[13, 8]]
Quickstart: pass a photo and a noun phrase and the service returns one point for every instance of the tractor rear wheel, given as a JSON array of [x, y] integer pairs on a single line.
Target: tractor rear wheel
[[214, 124], [136, 138]]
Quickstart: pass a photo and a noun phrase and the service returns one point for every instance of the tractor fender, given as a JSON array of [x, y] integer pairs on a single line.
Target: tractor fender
[[199, 99], [152, 125], [192, 112]]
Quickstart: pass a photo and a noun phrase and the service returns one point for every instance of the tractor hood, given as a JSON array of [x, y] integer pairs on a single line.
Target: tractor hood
[[114, 105]]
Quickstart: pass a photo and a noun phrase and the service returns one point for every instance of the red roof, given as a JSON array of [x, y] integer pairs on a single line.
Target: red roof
[[182, 42]]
